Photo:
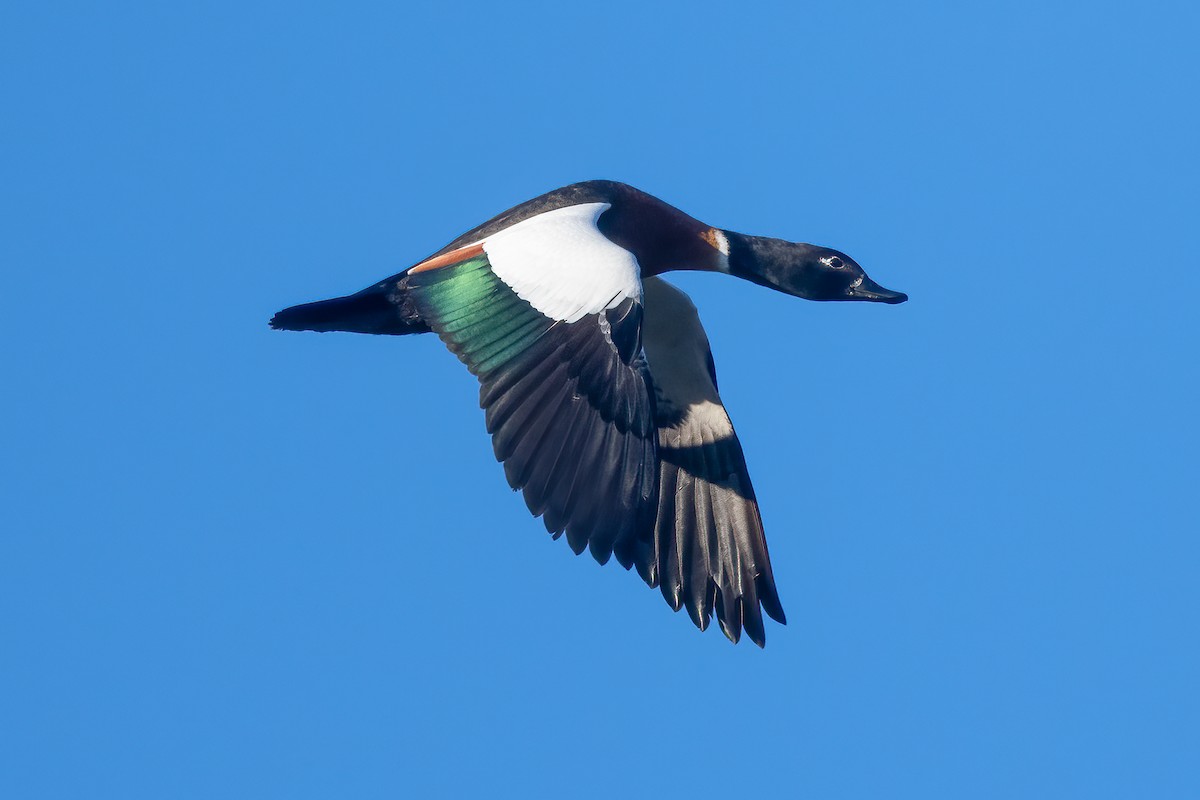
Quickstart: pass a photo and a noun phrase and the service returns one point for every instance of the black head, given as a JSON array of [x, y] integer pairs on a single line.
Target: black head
[[804, 270]]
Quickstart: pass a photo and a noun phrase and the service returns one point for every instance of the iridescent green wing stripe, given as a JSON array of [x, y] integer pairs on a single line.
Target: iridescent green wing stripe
[[476, 314], [568, 405]]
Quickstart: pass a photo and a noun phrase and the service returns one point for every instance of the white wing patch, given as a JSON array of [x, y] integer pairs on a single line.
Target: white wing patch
[[561, 264]]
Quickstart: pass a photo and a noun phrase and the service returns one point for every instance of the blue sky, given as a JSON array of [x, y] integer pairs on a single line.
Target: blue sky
[[242, 563]]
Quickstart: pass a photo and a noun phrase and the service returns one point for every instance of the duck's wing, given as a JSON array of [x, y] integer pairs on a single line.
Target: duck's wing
[[547, 315], [710, 553]]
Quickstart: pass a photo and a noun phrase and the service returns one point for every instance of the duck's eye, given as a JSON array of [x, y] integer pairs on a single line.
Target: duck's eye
[[835, 262]]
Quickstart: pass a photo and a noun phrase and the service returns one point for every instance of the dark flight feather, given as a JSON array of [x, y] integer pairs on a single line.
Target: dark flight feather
[[568, 405], [710, 552]]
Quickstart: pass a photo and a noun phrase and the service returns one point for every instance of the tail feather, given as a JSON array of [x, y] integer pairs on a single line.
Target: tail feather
[[380, 309]]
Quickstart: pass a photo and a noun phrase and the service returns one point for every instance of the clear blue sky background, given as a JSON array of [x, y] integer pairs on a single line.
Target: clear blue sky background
[[240, 563]]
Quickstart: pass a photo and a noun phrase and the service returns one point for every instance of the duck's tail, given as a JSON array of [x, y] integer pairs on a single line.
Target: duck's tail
[[382, 309]]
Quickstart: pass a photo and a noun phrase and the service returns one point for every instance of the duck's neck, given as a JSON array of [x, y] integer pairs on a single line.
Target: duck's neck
[[663, 238], [774, 263]]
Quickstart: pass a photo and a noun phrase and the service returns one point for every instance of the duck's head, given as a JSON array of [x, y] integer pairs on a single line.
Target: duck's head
[[804, 270]]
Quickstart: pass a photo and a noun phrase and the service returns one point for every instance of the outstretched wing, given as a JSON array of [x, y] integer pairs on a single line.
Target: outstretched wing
[[710, 553], [547, 314]]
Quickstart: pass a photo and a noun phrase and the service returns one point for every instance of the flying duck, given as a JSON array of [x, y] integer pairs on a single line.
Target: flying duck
[[597, 382]]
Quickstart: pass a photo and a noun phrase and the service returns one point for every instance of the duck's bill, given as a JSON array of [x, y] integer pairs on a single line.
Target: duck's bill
[[871, 291]]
